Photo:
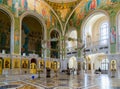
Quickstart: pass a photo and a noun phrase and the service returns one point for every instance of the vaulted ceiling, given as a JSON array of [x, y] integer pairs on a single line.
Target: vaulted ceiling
[[63, 7]]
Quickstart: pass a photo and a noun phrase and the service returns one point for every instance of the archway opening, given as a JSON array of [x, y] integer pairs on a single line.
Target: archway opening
[[72, 62], [32, 35], [95, 30], [72, 40], [98, 61], [5, 32], [55, 44], [33, 60]]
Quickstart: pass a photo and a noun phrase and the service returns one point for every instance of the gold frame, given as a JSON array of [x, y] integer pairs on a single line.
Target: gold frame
[[6, 63], [33, 68], [41, 63], [113, 65], [24, 64], [16, 63], [1, 66]]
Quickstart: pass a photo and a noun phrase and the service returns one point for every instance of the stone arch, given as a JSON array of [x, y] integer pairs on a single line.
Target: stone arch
[[9, 13], [59, 41], [34, 60], [72, 62], [55, 30], [89, 16], [62, 28], [100, 14], [70, 17], [38, 18]]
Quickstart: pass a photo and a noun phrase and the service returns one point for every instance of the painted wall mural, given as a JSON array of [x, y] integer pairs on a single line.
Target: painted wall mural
[[39, 6], [17, 36], [92, 4], [111, 6], [84, 8], [18, 7], [113, 35], [113, 39]]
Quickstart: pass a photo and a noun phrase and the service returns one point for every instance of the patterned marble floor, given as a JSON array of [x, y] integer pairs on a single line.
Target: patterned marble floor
[[63, 81]]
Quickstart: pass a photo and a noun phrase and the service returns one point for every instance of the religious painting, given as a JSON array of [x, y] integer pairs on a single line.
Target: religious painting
[[16, 63], [6, 62], [41, 64], [113, 65], [113, 35], [39, 6], [79, 65], [33, 68], [16, 38], [0, 66], [25, 63]]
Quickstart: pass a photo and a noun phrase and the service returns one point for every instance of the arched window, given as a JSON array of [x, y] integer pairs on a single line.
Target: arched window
[[104, 33], [104, 64], [72, 40], [55, 44]]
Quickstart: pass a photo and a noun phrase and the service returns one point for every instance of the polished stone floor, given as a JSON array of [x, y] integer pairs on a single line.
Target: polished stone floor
[[63, 81]]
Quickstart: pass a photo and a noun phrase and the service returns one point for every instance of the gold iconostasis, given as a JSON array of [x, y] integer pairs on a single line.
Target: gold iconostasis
[[26, 64]]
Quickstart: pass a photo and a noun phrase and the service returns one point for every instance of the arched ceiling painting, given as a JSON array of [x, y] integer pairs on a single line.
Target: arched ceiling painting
[[38, 6], [83, 9], [87, 6], [63, 7]]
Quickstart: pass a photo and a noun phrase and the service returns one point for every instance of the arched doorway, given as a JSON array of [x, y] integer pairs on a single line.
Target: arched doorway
[[55, 44], [32, 35], [100, 61], [5, 31], [72, 62]]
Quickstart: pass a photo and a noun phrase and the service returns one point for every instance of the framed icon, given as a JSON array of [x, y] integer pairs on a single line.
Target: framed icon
[[6, 62], [25, 63], [41, 63], [113, 65], [16, 63], [0, 66]]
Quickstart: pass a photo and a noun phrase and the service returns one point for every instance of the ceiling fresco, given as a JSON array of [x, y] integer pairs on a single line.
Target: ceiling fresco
[[63, 7], [84, 8]]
